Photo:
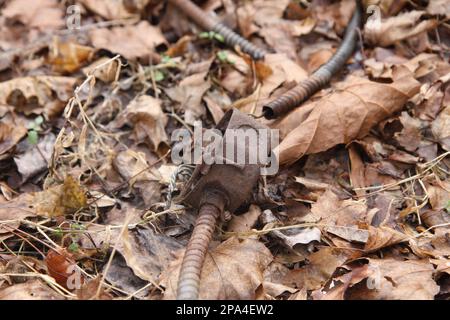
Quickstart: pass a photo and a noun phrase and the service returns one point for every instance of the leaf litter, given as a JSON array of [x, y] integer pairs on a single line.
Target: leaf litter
[[358, 210]]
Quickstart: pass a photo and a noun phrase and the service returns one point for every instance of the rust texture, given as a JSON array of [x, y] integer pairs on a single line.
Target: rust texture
[[321, 77], [209, 23], [189, 281], [212, 188]]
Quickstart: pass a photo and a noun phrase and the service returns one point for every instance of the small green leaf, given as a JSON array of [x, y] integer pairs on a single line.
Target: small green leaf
[[219, 37], [73, 247], [32, 137], [204, 35], [159, 76], [58, 233], [39, 120], [448, 206], [166, 59], [222, 55]]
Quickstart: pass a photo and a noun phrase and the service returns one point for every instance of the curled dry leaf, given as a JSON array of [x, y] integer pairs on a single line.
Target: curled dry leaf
[[131, 41], [382, 237], [61, 266], [319, 269], [106, 72], [11, 132], [293, 236], [232, 270], [36, 158], [40, 94], [189, 93], [133, 168], [68, 56], [42, 14], [441, 128], [341, 217], [246, 221], [394, 29], [110, 10], [30, 290], [148, 120], [14, 210], [281, 71], [147, 253], [347, 114], [391, 279], [61, 199]]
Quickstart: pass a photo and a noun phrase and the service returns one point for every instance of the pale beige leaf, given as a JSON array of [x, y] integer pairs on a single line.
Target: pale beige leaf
[[131, 41], [30, 290], [394, 29], [146, 116], [232, 270]]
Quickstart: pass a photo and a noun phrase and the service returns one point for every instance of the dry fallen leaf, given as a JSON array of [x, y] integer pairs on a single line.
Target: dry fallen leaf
[[189, 93], [11, 132], [246, 221], [12, 211], [147, 253], [395, 279], [42, 14], [36, 158], [60, 199], [40, 94], [147, 118], [232, 270], [347, 114], [394, 29], [131, 41], [68, 56], [30, 290], [441, 128], [133, 168], [110, 10]]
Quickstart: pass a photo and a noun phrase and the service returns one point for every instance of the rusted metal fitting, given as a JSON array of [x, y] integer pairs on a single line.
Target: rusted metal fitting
[[226, 178], [210, 23], [216, 187]]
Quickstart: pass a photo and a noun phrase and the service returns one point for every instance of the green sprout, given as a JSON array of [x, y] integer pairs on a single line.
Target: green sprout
[[223, 57], [159, 75], [211, 35], [33, 129], [73, 247], [448, 206]]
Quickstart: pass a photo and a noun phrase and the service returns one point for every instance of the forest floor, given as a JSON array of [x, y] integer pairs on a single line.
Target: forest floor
[[91, 92]]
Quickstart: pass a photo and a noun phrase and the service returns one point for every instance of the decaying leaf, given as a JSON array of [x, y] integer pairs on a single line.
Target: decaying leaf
[[246, 221], [189, 93], [60, 199], [11, 132], [148, 120], [133, 167], [42, 14], [131, 41], [68, 56], [61, 266], [40, 94], [232, 270], [30, 290], [347, 114], [110, 10], [394, 279], [397, 28], [36, 158]]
